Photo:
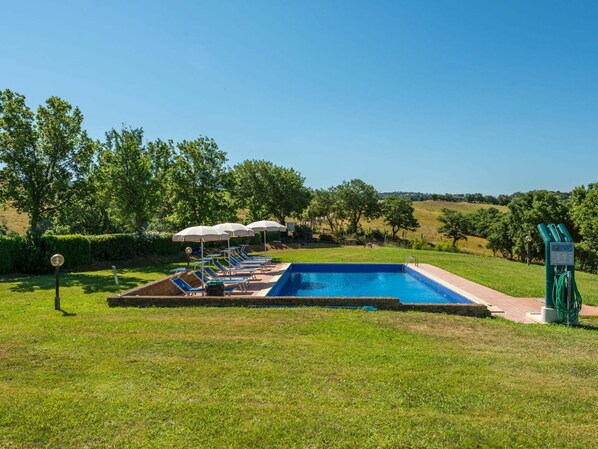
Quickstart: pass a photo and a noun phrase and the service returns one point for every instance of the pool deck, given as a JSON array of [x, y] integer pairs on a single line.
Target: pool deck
[[499, 304]]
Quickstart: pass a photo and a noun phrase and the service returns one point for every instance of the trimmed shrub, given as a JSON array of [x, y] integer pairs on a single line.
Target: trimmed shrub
[[304, 233], [154, 244], [76, 249], [12, 254], [420, 244], [113, 247], [326, 238]]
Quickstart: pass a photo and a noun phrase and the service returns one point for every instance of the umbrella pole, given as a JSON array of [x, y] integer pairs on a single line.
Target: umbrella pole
[[265, 248], [202, 275], [229, 265]]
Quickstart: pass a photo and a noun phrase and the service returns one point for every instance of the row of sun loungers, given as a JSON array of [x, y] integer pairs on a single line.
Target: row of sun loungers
[[235, 276]]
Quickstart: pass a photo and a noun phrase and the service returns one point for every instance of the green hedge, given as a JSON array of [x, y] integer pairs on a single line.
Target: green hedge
[[12, 254], [76, 249], [113, 247]]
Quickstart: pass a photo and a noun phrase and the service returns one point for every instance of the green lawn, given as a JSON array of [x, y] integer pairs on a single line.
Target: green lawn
[[270, 378]]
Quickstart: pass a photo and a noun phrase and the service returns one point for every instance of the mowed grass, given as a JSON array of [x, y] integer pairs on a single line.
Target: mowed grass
[[512, 278], [271, 378]]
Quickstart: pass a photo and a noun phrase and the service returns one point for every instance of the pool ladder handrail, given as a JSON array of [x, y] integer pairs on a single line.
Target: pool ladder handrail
[[414, 259]]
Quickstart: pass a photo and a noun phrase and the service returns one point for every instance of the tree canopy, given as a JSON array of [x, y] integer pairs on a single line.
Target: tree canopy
[[398, 214], [269, 190], [456, 225], [358, 200], [46, 156]]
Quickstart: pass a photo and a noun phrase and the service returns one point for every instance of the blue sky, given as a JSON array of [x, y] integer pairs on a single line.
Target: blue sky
[[433, 96]]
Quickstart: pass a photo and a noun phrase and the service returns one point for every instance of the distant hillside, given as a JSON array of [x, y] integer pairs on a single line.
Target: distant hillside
[[427, 213], [13, 220]]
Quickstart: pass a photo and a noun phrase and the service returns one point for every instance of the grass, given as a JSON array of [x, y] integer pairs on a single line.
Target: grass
[[272, 378], [512, 278]]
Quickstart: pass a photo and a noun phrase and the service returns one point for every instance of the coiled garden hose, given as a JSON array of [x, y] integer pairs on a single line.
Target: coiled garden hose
[[567, 309]]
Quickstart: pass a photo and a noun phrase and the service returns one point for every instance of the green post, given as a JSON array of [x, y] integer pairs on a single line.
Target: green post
[[549, 303]]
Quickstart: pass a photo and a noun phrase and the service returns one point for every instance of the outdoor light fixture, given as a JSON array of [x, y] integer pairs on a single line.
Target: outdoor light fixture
[[188, 250], [528, 240], [57, 260]]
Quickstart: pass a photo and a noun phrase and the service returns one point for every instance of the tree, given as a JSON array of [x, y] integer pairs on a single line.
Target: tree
[[45, 157], [482, 220], [398, 214], [127, 178], [324, 203], [456, 225], [527, 211], [198, 184], [584, 211], [269, 190], [500, 238], [357, 200]]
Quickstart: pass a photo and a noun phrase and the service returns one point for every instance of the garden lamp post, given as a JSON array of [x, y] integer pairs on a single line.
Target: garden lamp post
[[57, 260], [188, 250], [528, 240]]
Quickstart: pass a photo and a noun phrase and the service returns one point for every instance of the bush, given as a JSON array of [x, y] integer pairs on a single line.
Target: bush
[[375, 235], [12, 251], [154, 244], [76, 249], [326, 238], [113, 247], [304, 233], [446, 247], [420, 244]]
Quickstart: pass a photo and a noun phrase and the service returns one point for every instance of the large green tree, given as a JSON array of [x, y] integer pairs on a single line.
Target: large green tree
[[357, 200], [584, 211], [269, 190], [199, 181], [45, 157], [399, 214], [455, 225], [529, 209], [324, 204], [128, 179]]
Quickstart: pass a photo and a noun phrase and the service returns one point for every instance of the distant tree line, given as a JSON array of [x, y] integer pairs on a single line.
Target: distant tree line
[[475, 198]]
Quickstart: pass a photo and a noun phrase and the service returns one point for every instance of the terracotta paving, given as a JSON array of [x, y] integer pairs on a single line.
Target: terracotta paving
[[515, 309], [264, 280]]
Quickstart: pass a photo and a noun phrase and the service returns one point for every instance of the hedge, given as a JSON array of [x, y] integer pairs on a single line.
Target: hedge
[[76, 248], [113, 247], [12, 254]]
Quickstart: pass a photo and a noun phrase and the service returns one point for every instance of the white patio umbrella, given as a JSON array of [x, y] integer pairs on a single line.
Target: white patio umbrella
[[234, 230], [266, 226], [200, 234]]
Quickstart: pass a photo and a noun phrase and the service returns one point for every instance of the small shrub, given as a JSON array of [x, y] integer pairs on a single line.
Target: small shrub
[[326, 238], [420, 244], [376, 235], [304, 233], [446, 247], [113, 247]]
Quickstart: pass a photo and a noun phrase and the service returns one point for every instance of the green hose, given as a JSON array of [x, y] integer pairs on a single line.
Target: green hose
[[567, 310]]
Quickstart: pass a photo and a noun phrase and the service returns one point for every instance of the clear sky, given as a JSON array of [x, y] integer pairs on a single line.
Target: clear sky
[[432, 96]]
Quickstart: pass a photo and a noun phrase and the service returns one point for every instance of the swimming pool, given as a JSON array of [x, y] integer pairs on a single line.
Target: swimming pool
[[363, 280]]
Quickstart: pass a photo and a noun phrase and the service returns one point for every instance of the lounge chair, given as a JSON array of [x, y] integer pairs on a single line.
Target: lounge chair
[[224, 269], [241, 283], [188, 290], [215, 275]]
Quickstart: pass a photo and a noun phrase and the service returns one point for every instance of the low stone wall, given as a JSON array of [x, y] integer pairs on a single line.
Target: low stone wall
[[474, 310]]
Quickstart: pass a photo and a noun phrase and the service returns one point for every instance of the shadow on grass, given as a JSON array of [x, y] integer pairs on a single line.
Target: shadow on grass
[[90, 283], [65, 313]]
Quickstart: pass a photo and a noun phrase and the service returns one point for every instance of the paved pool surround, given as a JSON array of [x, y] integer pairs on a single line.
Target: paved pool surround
[[162, 293]]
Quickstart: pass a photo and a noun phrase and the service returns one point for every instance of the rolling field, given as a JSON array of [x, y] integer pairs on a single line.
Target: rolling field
[[13, 220]]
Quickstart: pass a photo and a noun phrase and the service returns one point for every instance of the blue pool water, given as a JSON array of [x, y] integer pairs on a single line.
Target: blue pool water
[[355, 280]]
